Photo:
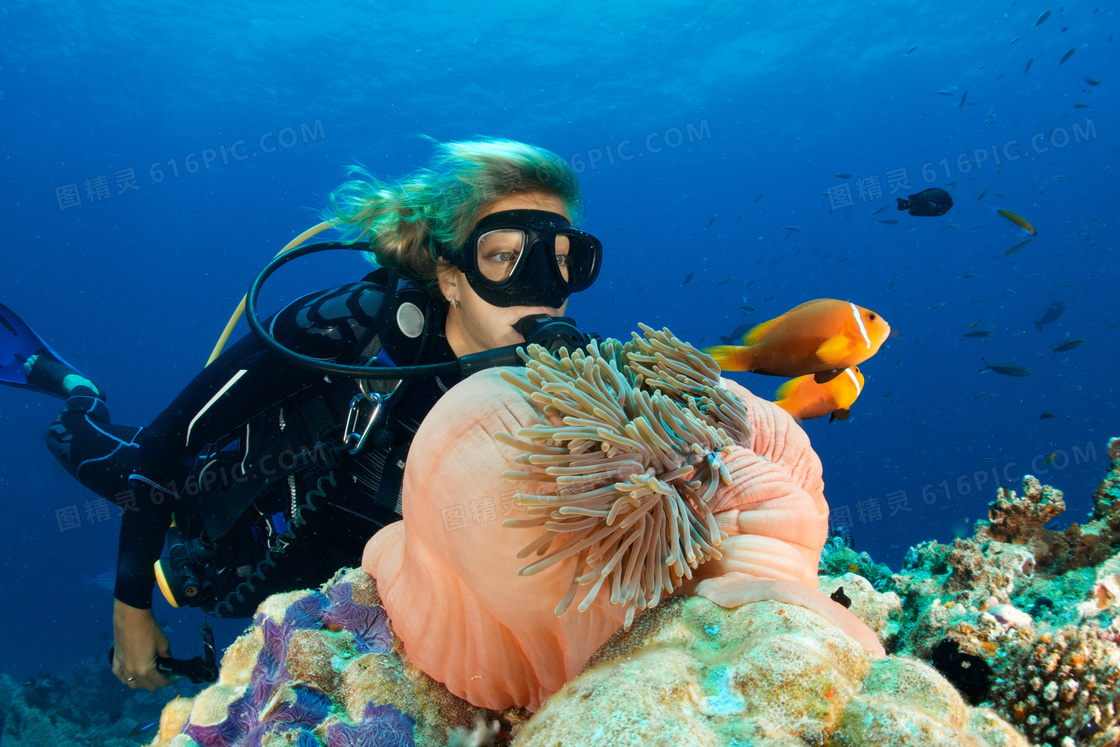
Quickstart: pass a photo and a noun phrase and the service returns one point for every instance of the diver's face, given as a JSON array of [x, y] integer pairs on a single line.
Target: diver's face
[[475, 325]]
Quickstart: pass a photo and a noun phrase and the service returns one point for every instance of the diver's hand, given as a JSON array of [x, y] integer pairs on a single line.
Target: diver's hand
[[137, 641]]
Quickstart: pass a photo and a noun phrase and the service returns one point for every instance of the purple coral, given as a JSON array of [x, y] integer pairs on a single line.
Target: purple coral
[[253, 716], [381, 726]]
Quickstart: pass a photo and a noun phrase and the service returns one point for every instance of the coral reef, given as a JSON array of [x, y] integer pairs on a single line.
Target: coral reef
[[1039, 606], [767, 673], [319, 668]]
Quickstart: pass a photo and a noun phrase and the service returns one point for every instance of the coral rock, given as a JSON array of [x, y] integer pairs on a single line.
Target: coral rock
[[766, 673]]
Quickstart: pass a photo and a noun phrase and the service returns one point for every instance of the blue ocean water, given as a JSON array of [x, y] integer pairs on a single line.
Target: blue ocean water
[[155, 156]]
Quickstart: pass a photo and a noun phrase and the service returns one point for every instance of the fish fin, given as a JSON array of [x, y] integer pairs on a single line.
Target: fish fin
[[730, 357], [823, 377], [755, 333], [785, 390], [841, 414], [834, 349]]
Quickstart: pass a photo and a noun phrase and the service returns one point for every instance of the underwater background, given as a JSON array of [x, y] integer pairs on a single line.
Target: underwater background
[[733, 157]]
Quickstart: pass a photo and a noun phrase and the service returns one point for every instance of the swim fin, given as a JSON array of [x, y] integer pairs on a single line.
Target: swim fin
[[18, 344]]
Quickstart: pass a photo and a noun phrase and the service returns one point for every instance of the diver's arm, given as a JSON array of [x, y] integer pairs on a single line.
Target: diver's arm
[[338, 324]]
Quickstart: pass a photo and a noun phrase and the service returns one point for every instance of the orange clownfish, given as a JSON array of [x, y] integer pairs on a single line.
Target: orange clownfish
[[804, 398], [824, 335]]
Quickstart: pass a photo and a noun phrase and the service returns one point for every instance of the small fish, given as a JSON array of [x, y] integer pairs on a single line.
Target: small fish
[[981, 195], [911, 50], [1082, 106], [1030, 62], [843, 175], [1015, 39], [839, 596], [738, 332], [1053, 311], [792, 230], [1067, 55], [757, 198], [1047, 416], [964, 98], [1042, 19], [1092, 81], [823, 337], [937, 306], [881, 209], [804, 398], [138, 730], [929, 202], [748, 309], [1050, 459], [106, 580], [967, 275], [979, 333], [1019, 221], [1006, 369], [725, 281], [950, 184], [1068, 345], [688, 277], [1017, 248], [713, 220], [888, 221], [947, 93]]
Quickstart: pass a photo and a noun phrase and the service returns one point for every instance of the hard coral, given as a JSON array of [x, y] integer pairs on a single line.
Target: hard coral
[[765, 673]]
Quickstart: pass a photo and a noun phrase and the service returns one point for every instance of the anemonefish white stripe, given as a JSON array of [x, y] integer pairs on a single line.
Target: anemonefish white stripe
[[855, 381], [214, 399], [859, 321]]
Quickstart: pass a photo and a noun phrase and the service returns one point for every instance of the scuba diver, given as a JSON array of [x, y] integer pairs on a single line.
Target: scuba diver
[[276, 464]]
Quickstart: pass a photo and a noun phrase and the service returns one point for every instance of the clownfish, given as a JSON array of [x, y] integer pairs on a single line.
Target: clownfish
[[804, 398], [822, 337]]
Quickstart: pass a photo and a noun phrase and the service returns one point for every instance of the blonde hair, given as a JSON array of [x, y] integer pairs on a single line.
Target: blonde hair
[[410, 223]]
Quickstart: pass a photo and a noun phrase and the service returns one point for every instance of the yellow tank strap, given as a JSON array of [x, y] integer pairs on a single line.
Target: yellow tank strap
[[241, 306]]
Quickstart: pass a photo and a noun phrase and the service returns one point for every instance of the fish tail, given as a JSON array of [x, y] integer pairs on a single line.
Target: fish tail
[[731, 357]]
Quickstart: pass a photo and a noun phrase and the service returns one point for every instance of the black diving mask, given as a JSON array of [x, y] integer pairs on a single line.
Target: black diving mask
[[529, 258]]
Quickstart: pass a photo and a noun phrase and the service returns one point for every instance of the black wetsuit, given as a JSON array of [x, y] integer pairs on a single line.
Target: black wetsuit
[[244, 415]]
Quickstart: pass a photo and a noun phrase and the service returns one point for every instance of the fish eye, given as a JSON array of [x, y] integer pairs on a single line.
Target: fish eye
[[871, 316]]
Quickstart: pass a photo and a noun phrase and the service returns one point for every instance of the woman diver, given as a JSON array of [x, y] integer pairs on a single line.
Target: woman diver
[[274, 466]]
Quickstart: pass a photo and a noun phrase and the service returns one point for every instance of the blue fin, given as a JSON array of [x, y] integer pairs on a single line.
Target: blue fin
[[18, 342]]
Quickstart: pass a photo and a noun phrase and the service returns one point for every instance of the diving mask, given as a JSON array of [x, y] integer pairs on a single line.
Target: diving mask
[[529, 258]]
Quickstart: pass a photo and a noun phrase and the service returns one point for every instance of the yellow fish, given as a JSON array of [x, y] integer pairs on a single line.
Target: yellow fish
[[822, 337], [1019, 221], [804, 398]]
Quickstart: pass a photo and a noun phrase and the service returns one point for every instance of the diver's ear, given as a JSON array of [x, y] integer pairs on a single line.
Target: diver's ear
[[449, 276]]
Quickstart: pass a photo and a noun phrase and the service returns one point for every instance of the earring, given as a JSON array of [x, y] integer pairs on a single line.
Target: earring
[[453, 302]]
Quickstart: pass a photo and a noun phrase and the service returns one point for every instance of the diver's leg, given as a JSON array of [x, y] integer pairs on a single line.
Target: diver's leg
[[99, 454]]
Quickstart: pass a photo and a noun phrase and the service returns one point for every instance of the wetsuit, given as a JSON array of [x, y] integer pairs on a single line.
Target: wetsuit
[[247, 439]]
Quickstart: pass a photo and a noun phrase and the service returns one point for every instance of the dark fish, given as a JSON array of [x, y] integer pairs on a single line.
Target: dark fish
[[1042, 18], [1052, 313], [1092, 81], [881, 209], [725, 281], [1047, 416], [758, 198], [979, 333], [1005, 368], [843, 176], [748, 309], [1017, 248], [964, 98], [981, 195], [1082, 106], [967, 275], [909, 51], [687, 277], [738, 332], [1067, 55], [713, 220], [945, 93], [970, 674], [138, 730], [840, 597], [889, 221], [115, 716], [1068, 345], [929, 202], [937, 306], [1028, 67]]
